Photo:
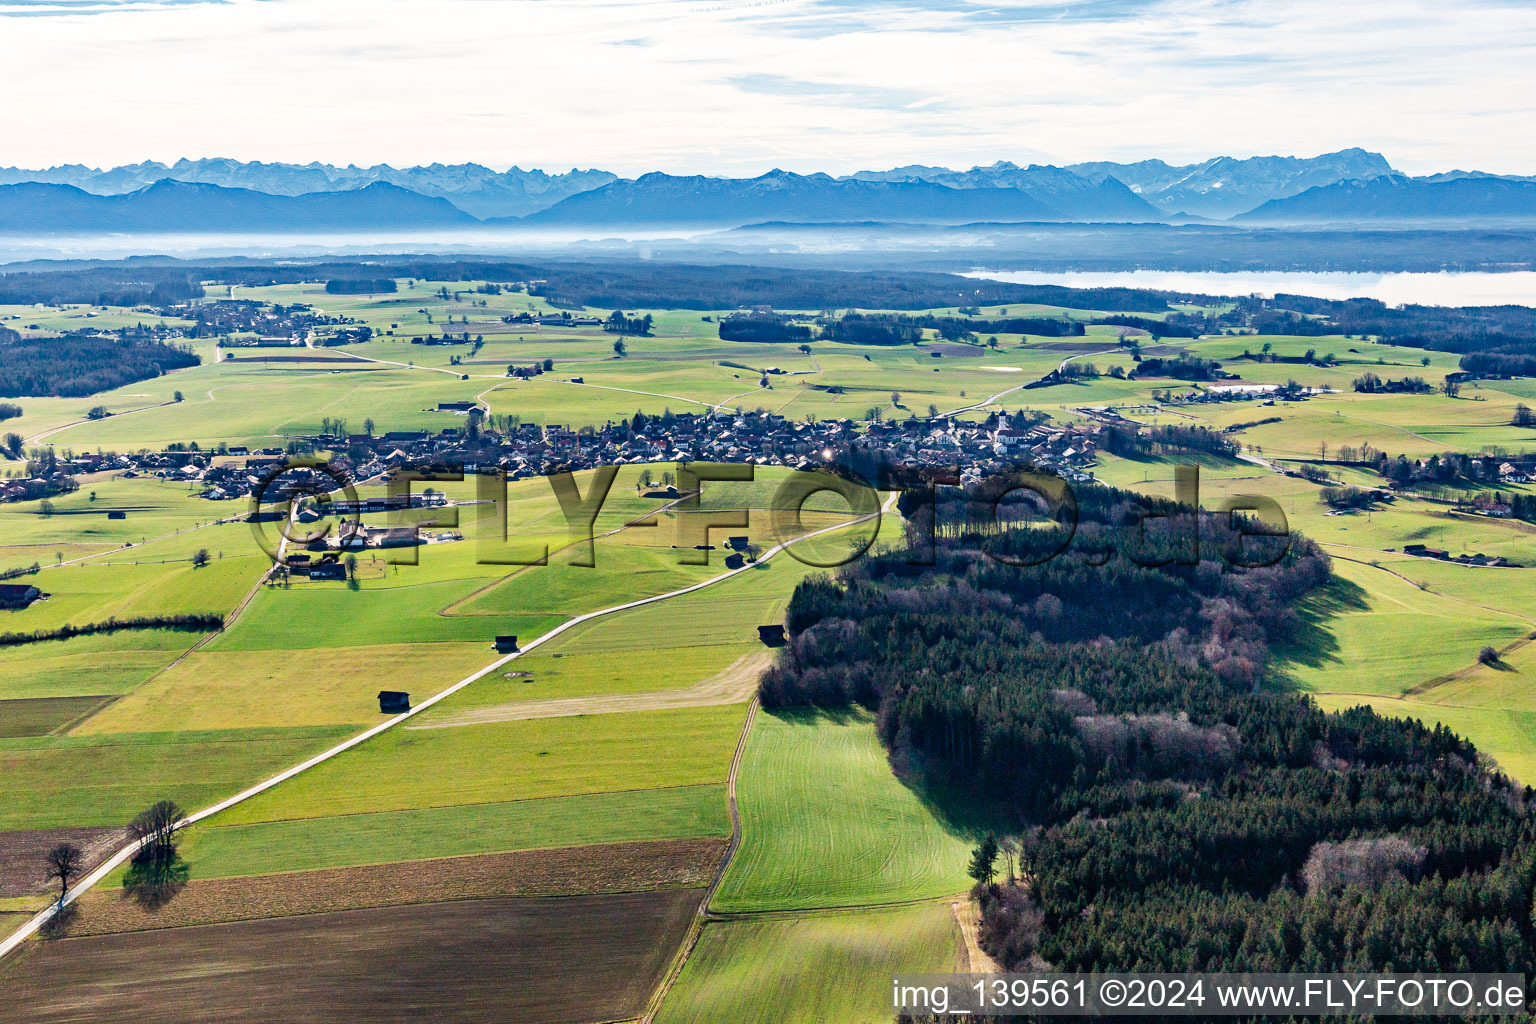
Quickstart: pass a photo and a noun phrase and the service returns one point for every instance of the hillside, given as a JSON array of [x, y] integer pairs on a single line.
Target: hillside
[[1395, 198]]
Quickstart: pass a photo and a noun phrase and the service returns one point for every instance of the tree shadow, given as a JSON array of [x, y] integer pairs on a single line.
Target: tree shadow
[[954, 805], [154, 881], [1313, 643], [57, 926]]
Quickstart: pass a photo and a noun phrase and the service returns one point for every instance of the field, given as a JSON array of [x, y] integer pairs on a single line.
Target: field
[[536, 845], [833, 968], [826, 824], [500, 959]]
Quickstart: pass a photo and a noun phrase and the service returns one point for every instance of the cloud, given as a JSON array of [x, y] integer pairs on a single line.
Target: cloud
[[71, 8], [738, 86]]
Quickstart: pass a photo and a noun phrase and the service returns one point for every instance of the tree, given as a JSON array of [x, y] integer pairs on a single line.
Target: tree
[[896, 399], [45, 507], [176, 396], [1488, 656], [98, 412], [155, 829], [1424, 361], [200, 559], [65, 861], [1523, 417], [619, 348], [548, 364], [351, 567], [1451, 388], [933, 411], [368, 426], [13, 443], [983, 866]]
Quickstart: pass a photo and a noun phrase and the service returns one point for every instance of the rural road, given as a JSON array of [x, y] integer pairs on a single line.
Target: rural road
[[26, 931]]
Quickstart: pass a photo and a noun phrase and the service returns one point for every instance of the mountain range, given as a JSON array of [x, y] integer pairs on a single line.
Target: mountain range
[[1224, 186], [475, 189], [1393, 197], [226, 196], [174, 207]]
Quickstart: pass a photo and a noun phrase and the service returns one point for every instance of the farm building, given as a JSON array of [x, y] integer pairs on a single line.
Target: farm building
[[773, 636], [117, 515], [506, 644], [735, 560], [18, 595], [393, 702]]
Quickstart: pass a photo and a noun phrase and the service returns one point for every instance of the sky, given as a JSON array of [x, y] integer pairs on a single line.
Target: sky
[[738, 87]]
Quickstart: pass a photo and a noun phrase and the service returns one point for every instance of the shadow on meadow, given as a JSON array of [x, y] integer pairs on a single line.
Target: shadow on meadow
[[1314, 644], [952, 805]]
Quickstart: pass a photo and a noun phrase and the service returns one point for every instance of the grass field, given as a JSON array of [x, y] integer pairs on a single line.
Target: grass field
[[832, 968], [825, 823], [112, 778], [302, 844], [1370, 632], [492, 763]]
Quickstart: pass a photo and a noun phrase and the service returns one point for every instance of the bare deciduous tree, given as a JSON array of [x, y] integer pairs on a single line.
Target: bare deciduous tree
[[155, 828], [65, 861]]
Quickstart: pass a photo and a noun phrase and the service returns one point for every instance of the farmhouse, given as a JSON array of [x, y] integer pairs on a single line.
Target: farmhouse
[[18, 595]]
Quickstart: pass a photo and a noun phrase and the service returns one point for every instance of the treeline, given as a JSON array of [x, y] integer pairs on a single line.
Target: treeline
[[1181, 368], [1157, 328], [651, 284], [194, 623], [887, 328], [1370, 384], [124, 284], [618, 323], [1168, 439], [762, 328], [357, 286], [1172, 814], [81, 364]]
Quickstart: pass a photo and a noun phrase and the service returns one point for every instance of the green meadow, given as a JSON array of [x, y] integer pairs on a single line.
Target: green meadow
[[826, 823], [833, 968]]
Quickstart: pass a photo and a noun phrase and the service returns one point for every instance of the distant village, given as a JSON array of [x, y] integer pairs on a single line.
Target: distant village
[[522, 450]]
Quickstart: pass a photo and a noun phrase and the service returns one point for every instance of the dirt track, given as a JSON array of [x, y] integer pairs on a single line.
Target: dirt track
[[732, 685]]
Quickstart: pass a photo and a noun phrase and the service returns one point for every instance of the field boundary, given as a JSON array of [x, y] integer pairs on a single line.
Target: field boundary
[[702, 915]]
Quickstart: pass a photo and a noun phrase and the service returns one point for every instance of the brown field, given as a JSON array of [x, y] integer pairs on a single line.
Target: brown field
[[734, 684], [38, 716], [614, 867], [22, 868], [531, 961]]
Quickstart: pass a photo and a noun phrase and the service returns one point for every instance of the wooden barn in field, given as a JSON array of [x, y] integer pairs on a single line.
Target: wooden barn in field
[[393, 702], [773, 636], [506, 644]]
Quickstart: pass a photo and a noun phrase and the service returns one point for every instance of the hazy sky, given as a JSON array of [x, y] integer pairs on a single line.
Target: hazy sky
[[740, 86]]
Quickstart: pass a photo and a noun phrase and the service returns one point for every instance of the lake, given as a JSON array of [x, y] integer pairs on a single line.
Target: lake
[[1439, 289]]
